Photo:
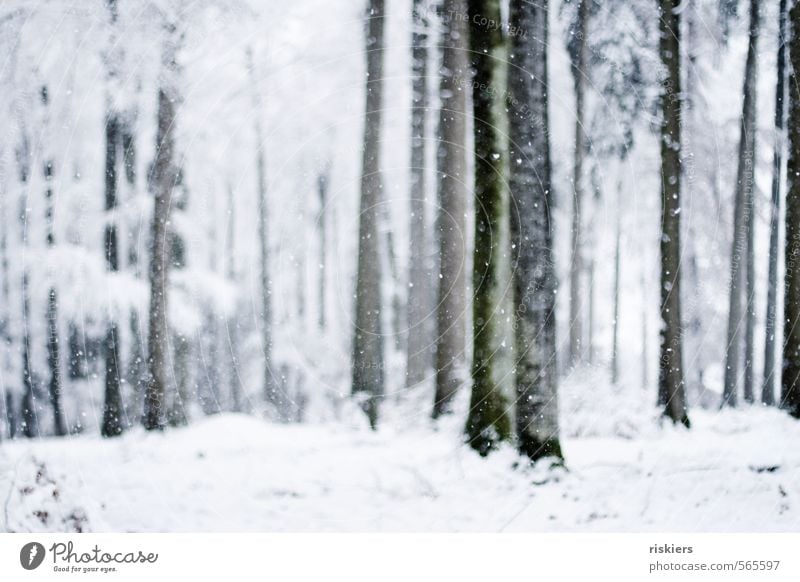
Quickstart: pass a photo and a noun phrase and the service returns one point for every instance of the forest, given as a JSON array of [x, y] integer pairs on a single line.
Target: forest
[[416, 255]]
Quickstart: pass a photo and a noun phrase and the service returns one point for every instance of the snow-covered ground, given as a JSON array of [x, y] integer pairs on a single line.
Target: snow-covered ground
[[733, 471]]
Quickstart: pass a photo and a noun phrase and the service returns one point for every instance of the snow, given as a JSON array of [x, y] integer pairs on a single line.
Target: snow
[[735, 470]]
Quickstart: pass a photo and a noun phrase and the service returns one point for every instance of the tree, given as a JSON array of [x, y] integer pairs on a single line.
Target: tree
[[578, 53], [112, 405], [53, 351], [768, 385], [418, 352], [790, 390], [163, 178], [671, 386], [488, 422], [532, 233], [451, 222], [272, 390], [743, 225], [368, 373]]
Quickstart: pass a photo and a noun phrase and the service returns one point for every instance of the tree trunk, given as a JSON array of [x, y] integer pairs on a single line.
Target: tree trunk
[[451, 222], [488, 420], [272, 390], [671, 386], [743, 219], [163, 178], [53, 352], [418, 351], [768, 386], [790, 393], [232, 324], [579, 73], [112, 407], [532, 233], [322, 190], [615, 333], [368, 372]]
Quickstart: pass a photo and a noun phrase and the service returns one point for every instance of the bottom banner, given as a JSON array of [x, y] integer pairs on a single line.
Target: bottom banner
[[400, 557]]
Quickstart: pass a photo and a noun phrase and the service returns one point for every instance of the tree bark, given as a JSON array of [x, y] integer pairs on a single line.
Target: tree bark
[[53, 352], [615, 322], [671, 392], [579, 73], [368, 361], [418, 346], [768, 383], [790, 390], [743, 223], [488, 421], [272, 390], [451, 222], [163, 179], [532, 233]]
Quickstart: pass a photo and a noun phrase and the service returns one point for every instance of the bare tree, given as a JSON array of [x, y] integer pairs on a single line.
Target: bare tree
[[451, 222], [578, 42], [368, 373], [770, 330], [790, 392], [488, 421], [743, 225], [532, 233], [671, 385], [418, 346], [163, 179]]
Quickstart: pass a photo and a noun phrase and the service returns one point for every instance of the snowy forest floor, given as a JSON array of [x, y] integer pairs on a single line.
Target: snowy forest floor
[[736, 470]]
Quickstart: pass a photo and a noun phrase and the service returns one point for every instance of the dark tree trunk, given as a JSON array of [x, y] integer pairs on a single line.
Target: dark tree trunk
[[790, 393], [488, 421], [112, 407], [418, 351], [671, 386], [743, 223], [451, 223], [163, 179], [532, 233], [768, 386], [368, 372]]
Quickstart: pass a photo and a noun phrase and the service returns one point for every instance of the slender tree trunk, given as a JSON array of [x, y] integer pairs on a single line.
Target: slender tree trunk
[[790, 392], [112, 404], [768, 386], [615, 335], [743, 220], [418, 350], [163, 179], [645, 336], [451, 222], [28, 405], [322, 189], [53, 352], [232, 326], [671, 385], [532, 233], [112, 407], [272, 390], [579, 72], [368, 372], [488, 420]]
